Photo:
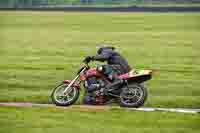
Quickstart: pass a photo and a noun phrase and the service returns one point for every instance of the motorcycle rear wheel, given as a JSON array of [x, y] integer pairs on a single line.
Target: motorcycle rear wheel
[[64, 100], [133, 96]]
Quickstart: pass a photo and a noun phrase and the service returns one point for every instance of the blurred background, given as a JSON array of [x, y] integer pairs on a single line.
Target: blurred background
[[104, 3]]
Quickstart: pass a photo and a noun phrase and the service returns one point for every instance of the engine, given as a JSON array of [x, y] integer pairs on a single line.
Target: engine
[[94, 88]]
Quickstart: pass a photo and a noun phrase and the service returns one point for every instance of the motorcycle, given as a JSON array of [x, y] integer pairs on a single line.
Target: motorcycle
[[130, 93]]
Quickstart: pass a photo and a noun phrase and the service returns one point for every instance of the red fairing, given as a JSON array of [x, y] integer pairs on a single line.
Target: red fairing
[[124, 76], [75, 85], [92, 72], [82, 77]]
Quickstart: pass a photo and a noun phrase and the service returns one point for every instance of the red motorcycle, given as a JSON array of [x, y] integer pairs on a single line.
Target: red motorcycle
[[131, 93]]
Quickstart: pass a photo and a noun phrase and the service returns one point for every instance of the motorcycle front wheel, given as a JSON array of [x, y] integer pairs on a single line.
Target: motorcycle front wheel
[[133, 96], [61, 99]]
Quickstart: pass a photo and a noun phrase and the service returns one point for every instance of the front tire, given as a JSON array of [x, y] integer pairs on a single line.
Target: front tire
[[70, 98], [133, 96]]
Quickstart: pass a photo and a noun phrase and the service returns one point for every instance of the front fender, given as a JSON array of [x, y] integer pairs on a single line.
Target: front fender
[[74, 85]]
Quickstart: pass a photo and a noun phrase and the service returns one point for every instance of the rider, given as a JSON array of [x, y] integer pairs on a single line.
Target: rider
[[116, 64]]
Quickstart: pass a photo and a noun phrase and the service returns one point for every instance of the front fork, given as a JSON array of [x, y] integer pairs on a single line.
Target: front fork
[[68, 88]]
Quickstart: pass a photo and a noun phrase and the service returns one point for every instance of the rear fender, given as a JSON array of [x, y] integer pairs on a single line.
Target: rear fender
[[77, 86], [139, 77]]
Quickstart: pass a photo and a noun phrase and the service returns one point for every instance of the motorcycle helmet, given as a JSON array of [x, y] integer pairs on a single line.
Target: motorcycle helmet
[[99, 51]]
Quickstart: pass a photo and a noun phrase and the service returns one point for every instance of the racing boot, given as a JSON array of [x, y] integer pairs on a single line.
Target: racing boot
[[89, 99]]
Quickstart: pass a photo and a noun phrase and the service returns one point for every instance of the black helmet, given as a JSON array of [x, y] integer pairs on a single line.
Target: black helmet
[[105, 48]]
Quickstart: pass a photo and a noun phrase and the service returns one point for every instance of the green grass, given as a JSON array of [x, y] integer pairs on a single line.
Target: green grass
[[51, 120], [39, 50]]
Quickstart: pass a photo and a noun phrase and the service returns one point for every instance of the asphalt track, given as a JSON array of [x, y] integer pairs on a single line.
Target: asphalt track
[[89, 108], [109, 9]]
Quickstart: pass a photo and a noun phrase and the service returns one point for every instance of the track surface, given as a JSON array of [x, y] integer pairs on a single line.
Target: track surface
[[98, 108]]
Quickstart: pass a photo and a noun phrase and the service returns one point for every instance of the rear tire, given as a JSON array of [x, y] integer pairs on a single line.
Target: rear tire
[[65, 101], [134, 100]]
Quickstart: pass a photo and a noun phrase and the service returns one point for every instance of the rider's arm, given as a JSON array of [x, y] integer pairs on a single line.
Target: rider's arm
[[101, 57]]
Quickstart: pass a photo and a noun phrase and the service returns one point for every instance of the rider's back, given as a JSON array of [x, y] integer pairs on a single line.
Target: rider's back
[[117, 59], [114, 58]]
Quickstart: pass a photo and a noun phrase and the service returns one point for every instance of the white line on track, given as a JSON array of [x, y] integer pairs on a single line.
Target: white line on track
[[88, 107]]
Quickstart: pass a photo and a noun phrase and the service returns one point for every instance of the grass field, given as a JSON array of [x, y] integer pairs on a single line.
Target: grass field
[[38, 50], [40, 120]]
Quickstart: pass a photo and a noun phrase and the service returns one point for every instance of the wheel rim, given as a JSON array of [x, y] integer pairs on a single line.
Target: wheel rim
[[64, 99], [132, 95]]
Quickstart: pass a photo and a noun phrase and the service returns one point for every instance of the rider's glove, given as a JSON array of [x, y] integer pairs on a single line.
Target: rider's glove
[[88, 59]]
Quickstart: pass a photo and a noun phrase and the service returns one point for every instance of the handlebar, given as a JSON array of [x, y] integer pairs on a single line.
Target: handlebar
[[86, 62], [88, 59], [85, 65]]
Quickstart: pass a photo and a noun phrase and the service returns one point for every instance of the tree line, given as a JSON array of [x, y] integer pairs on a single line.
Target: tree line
[[28, 3]]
